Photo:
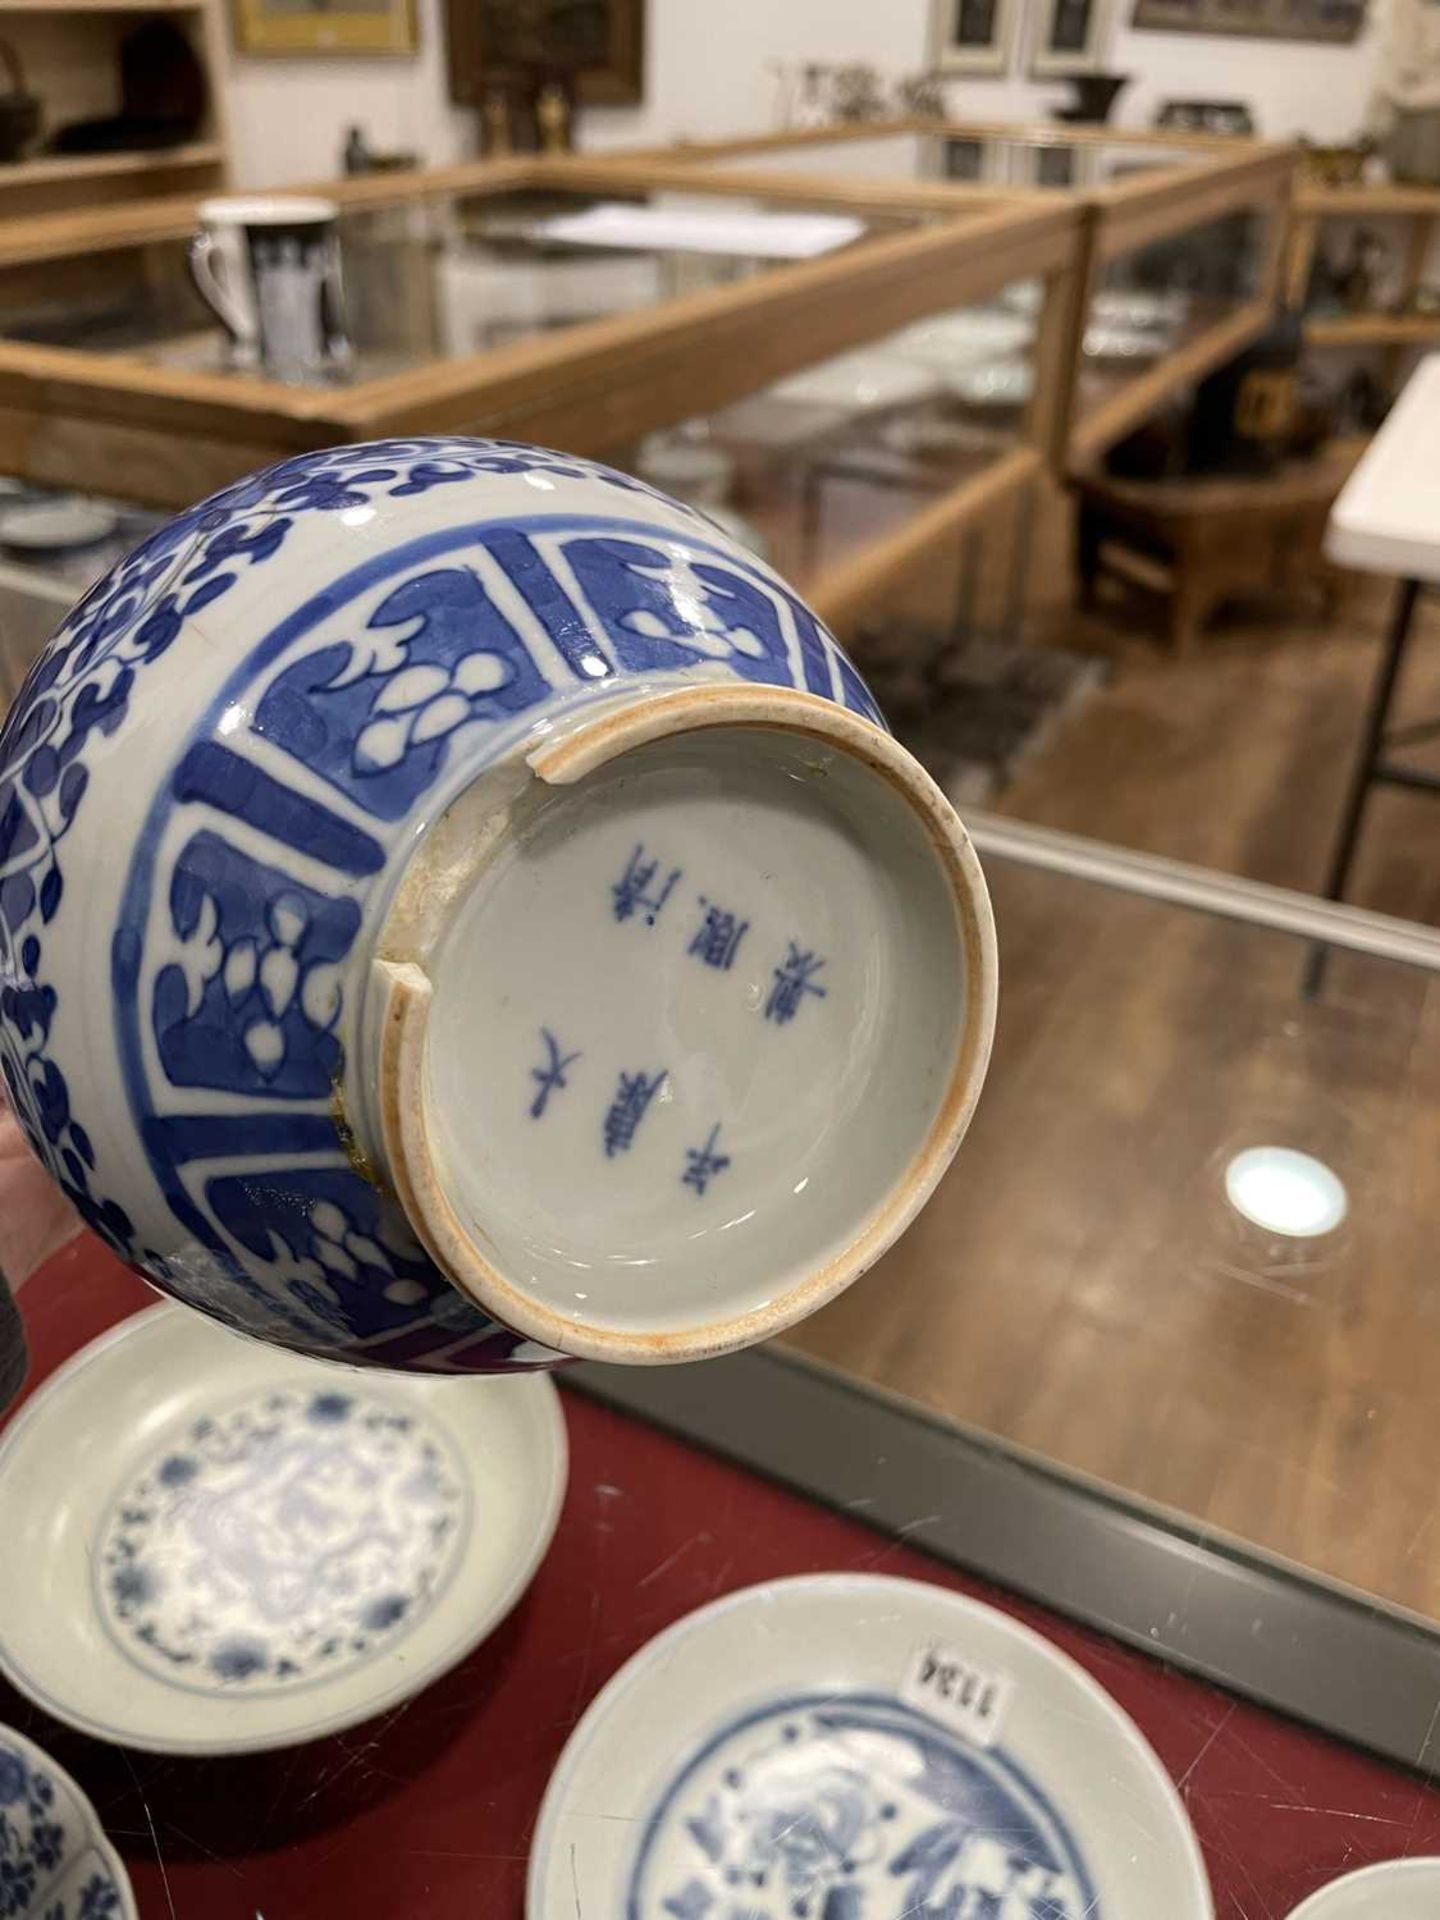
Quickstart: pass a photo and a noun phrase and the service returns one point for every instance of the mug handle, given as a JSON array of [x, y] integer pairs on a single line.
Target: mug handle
[[203, 256]]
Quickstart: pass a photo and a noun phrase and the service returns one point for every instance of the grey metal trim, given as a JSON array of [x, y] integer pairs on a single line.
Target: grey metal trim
[[1317, 1652], [1253, 902]]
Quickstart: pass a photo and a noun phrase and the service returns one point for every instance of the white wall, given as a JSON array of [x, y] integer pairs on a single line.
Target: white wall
[[710, 74], [288, 117]]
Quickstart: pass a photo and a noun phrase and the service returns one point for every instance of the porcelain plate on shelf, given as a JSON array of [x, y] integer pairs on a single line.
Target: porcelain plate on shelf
[[849, 1746], [1394, 1890], [56, 526], [55, 1862], [228, 1549], [857, 382]]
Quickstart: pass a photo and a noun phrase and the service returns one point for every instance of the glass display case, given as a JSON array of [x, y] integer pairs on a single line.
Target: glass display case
[[1183, 235], [1160, 1349], [857, 387], [436, 1804]]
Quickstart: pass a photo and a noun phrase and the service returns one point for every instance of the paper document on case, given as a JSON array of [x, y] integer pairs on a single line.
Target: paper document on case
[[758, 235]]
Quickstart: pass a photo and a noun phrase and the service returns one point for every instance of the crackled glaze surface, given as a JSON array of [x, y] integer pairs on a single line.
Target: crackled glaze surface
[[209, 786]]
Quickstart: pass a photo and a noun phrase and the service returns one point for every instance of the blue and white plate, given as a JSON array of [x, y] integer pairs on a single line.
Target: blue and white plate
[[229, 1548], [847, 1747], [1393, 1890], [55, 1862]]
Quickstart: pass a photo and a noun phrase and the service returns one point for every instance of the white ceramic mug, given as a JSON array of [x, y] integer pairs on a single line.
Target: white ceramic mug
[[269, 268]]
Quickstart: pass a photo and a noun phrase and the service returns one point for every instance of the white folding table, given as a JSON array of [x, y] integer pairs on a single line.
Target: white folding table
[[1387, 520]]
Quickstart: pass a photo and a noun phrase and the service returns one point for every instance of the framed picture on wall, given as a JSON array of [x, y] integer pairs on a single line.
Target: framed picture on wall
[[598, 45], [325, 26], [974, 36], [1336, 21], [1071, 36]]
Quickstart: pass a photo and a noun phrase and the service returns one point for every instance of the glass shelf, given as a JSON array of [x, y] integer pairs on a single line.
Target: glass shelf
[[442, 277]]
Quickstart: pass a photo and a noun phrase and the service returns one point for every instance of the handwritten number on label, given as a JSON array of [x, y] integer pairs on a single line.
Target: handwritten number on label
[[955, 1690]]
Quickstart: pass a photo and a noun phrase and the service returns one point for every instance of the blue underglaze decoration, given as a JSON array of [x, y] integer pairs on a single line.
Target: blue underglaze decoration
[[854, 1809], [340, 1251], [375, 716], [214, 776], [628, 1109], [280, 1541], [791, 982], [343, 721], [251, 1005], [703, 1163], [629, 895], [551, 1077], [50, 1866], [717, 939]]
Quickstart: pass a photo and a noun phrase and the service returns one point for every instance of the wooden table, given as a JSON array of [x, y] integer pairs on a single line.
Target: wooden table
[[1387, 520], [1199, 541]]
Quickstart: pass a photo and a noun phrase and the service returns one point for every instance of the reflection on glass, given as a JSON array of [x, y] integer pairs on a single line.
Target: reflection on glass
[[448, 275], [1285, 1191], [813, 467], [1155, 301], [1083, 1285], [1020, 158]]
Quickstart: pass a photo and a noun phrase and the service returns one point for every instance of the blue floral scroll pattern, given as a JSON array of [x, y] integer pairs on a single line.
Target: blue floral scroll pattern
[[829, 1808], [49, 1867], [466, 631], [81, 688], [283, 1540]]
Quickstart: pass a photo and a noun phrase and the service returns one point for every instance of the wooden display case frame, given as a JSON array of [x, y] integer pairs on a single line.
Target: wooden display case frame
[[70, 51], [1417, 208], [108, 421], [1228, 175]]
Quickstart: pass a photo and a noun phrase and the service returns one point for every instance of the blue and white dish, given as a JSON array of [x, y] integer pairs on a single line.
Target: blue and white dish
[[850, 1747], [230, 1548], [458, 909], [1392, 1890], [55, 1862]]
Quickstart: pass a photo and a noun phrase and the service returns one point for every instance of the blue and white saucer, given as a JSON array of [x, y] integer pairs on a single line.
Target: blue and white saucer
[[1393, 1890], [847, 1747], [228, 1548], [55, 1862]]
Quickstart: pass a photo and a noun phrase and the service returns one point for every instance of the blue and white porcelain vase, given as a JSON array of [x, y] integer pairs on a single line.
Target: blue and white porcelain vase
[[458, 910]]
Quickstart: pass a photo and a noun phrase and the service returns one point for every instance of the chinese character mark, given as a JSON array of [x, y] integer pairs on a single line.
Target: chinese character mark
[[717, 939], [791, 983], [550, 1077], [629, 892], [704, 1162], [627, 1109]]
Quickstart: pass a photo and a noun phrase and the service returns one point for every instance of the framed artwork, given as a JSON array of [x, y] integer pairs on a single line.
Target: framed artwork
[[325, 26], [1071, 36], [1335, 21], [974, 36], [595, 47]]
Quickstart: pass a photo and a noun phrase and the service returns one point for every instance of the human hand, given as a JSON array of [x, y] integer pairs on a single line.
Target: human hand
[[35, 1217], [35, 1221]]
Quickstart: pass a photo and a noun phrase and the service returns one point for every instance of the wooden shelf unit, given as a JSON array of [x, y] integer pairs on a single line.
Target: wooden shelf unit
[[1395, 334], [1373, 330], [70, 53]]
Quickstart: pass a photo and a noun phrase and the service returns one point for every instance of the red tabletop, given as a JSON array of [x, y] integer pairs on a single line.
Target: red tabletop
[[428, 1811]]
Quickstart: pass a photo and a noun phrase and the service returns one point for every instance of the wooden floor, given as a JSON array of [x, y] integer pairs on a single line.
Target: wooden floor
[[1079, 1285]]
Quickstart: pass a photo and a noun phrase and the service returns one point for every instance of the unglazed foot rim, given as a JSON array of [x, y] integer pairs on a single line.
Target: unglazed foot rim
[[415, 1167]]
